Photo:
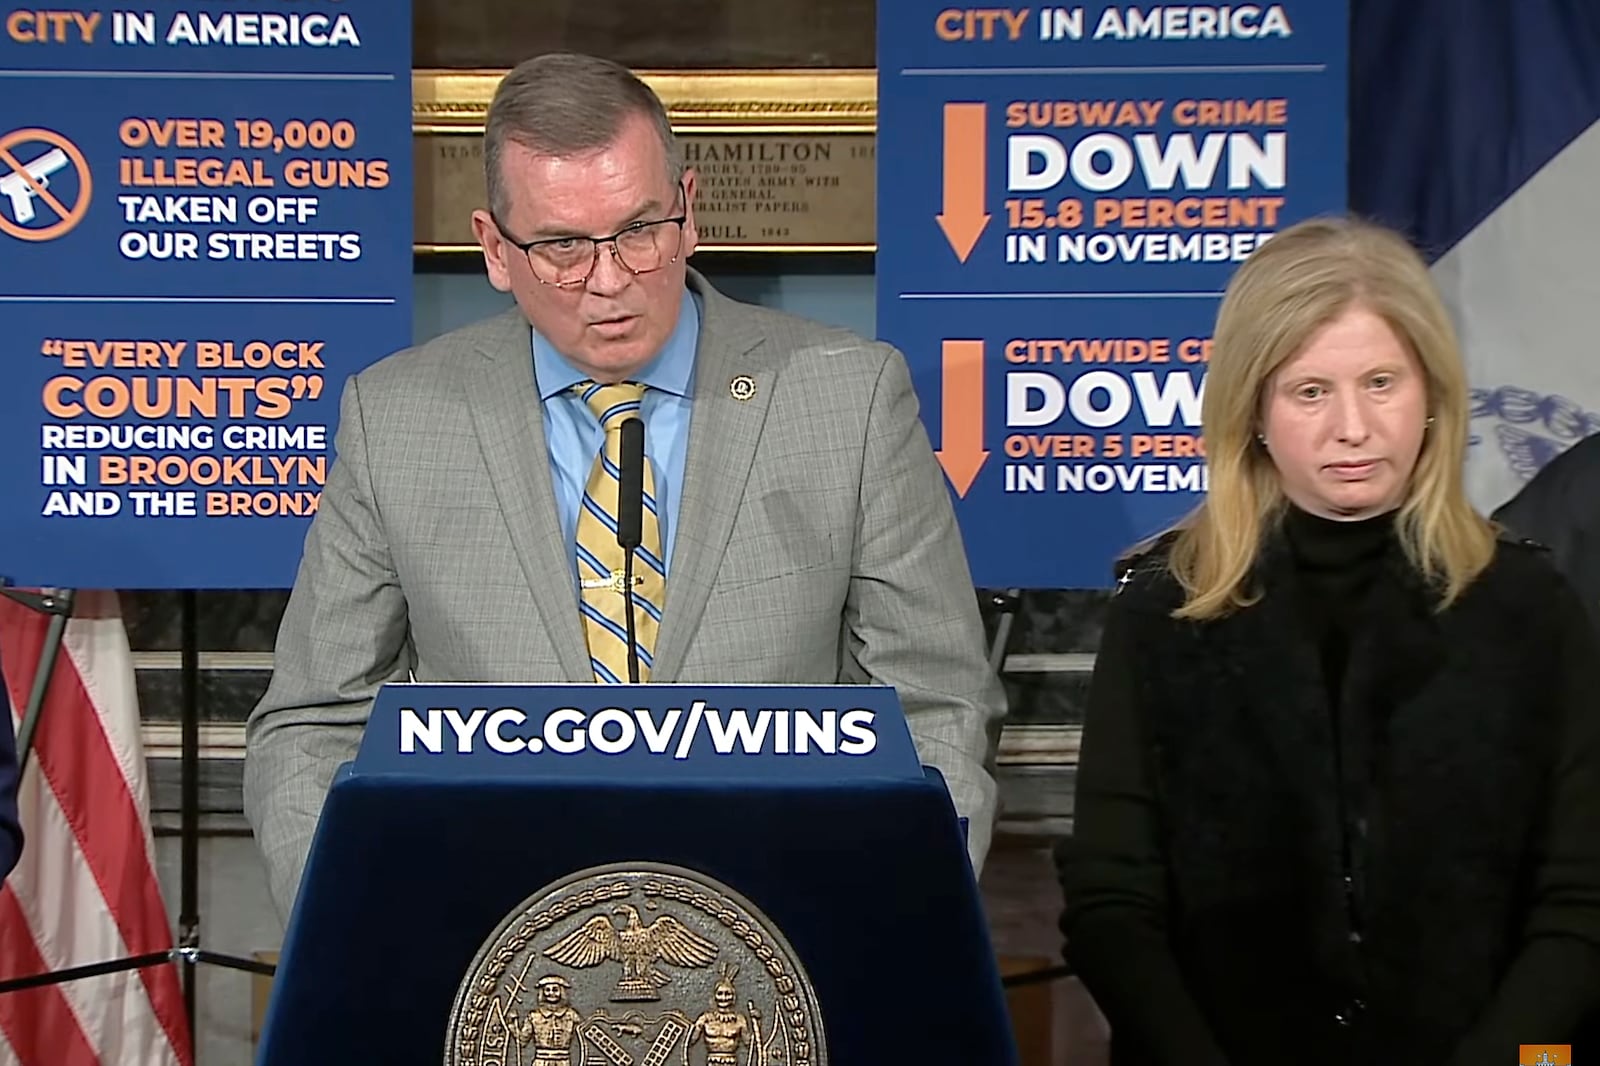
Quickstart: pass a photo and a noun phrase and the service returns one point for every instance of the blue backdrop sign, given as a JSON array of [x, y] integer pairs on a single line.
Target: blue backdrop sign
[[205, 226], [1063, 194]]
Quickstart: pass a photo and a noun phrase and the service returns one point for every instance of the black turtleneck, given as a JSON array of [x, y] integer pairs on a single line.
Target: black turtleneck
[[1115, 868], [1336, 563]]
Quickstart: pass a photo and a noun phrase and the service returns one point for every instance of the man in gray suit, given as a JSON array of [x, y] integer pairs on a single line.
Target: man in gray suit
[[806, 533]]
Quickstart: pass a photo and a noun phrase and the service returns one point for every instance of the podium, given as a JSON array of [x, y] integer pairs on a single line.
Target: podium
[[620, 875]]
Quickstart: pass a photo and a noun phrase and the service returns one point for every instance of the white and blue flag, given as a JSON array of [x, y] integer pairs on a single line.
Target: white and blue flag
[[1475, 129]]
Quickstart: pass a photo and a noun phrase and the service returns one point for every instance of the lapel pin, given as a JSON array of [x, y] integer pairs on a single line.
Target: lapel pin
[[742, 387]]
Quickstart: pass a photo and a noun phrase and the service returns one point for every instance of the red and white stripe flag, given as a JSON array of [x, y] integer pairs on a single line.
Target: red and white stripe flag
[[85, 890]]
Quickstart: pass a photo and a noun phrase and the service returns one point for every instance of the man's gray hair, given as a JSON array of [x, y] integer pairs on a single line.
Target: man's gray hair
[[563, 104]]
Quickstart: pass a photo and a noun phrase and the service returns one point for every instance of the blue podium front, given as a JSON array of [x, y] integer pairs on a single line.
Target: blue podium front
[[734, 876]]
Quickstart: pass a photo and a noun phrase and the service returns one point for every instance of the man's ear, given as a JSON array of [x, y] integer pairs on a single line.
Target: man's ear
[[496, 250], [691, 232]]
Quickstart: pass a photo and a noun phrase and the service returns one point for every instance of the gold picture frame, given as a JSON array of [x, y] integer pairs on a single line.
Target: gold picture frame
[[731, 116]]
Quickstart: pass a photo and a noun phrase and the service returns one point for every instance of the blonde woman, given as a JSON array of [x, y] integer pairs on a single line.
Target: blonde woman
[[1339, 795]]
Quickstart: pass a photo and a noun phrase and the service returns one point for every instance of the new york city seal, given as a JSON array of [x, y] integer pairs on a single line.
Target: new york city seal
[[636, 964]]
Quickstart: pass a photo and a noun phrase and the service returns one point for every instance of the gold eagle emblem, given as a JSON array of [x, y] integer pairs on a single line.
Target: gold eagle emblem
[[637, 946]]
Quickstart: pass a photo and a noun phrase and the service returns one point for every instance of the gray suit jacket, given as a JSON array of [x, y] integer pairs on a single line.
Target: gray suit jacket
[[816, 544]]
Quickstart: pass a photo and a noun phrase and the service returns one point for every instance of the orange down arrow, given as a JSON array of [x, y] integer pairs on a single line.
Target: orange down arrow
[[962, 414], [963, 219]]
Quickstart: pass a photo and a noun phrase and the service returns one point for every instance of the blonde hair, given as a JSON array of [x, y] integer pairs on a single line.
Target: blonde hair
[[1292, 286]]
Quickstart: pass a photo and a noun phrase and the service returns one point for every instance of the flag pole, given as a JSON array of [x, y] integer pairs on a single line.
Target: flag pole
[[58, 605], [1005, 605], [189, 802]]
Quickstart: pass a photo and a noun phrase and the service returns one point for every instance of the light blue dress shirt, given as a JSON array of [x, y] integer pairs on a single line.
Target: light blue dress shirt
[[574, 436]]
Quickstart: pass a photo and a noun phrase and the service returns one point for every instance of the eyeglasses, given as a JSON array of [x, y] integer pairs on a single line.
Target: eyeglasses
[[640, 248]]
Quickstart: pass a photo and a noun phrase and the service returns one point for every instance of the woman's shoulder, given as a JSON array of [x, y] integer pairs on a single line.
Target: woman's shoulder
[[1144, 574]]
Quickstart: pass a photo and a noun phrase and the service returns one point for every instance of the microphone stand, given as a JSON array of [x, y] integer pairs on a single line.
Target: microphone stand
[[630, 520], [633, 641]]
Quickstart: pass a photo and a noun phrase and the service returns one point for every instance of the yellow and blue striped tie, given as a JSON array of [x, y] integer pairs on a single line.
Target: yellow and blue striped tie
[[600, 559]]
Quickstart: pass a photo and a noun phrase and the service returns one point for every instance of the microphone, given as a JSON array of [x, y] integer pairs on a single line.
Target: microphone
[[630, 522]]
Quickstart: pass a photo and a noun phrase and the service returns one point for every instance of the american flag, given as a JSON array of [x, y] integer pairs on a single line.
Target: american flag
[[85, 888]]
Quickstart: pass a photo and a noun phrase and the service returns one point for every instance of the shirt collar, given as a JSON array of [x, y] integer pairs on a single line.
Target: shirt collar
[[670, 371]]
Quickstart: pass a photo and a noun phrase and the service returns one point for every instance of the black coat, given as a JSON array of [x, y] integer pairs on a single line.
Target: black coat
[[1413, 877], [1560, 508]]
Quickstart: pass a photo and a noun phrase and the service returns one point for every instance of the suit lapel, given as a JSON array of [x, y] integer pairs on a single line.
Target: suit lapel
[[509, 421], [723, 434]]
